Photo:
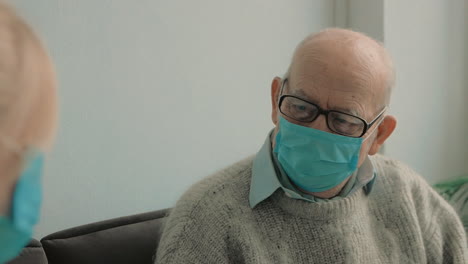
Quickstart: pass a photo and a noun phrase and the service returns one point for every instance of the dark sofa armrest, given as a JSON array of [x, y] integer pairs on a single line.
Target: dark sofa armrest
[[33, 253], [129, 239]]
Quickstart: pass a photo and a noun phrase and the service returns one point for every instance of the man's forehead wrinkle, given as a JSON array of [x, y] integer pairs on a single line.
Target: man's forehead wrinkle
[[372, 76], [301, 94], [351, 105], [325, 60], [350, 63], [356, 109], [322, 76], [361, 68], [340, 46]]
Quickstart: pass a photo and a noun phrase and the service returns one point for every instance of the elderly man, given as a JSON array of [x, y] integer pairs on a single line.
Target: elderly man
[[316, 192], [27, 127]]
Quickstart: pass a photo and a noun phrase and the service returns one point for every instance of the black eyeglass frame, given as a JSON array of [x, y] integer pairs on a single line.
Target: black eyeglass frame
[[321, 111]]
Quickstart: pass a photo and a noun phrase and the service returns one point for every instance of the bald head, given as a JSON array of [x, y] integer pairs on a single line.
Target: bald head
[[27, 84], [347, 58]]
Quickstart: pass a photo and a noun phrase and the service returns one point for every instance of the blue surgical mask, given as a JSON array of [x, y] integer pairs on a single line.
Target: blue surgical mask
[[315, 160], [16, 228]]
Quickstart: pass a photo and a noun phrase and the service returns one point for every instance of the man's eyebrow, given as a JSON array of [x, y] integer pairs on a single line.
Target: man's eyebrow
[[299, 93], [349, 111]]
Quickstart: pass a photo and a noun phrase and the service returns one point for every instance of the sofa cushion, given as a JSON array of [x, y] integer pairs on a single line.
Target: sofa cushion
[[129, 239], [33, 253]]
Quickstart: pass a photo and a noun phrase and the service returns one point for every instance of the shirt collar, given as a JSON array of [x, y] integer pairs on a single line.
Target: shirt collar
[[265, 180]]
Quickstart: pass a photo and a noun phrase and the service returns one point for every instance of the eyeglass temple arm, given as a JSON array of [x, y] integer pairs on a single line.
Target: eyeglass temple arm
[[282, 86], [378, 116]]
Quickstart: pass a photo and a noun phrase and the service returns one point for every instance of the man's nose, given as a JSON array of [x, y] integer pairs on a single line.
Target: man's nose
[[321, 124]]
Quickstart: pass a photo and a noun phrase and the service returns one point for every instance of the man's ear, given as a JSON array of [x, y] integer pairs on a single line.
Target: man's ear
[[384, 130], [275, 92]]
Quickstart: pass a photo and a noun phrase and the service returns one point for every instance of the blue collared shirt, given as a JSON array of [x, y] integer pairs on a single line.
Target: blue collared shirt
[[268, 176]]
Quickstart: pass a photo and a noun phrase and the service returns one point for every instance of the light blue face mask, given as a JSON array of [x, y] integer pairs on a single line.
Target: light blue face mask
[[16, 229], [315, 160]]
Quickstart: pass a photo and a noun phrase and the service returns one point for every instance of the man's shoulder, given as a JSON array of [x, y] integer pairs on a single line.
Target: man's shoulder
[[394, 172], [202, 213], [398, 181], [228, 187]]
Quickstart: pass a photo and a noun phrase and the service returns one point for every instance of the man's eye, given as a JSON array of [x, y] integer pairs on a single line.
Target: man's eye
[[300, 107], [345, 125], [344, 122], [341, 121]]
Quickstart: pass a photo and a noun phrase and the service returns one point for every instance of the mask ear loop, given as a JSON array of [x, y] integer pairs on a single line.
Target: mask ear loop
[[283, 83]]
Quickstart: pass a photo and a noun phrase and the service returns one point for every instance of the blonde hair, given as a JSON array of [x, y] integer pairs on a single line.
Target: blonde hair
[[27, 84]]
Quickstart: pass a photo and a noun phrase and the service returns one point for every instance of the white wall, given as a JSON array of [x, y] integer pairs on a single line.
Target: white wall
[[361, 15], [429, 43], [156, 95]]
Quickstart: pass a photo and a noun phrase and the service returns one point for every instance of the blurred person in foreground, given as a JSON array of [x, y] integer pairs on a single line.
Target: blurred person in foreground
[[317, 191], [28, 114]]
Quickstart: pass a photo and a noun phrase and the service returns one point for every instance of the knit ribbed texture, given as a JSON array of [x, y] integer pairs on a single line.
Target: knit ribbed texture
[[401, 221]]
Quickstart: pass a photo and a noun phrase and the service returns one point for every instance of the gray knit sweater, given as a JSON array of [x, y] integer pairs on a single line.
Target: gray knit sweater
[[401, 221]]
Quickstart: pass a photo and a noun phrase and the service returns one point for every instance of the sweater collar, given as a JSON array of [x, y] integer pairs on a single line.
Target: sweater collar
[[267, 177]]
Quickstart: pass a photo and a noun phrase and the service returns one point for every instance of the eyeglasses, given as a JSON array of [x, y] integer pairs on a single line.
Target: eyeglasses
[[339, 122]]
